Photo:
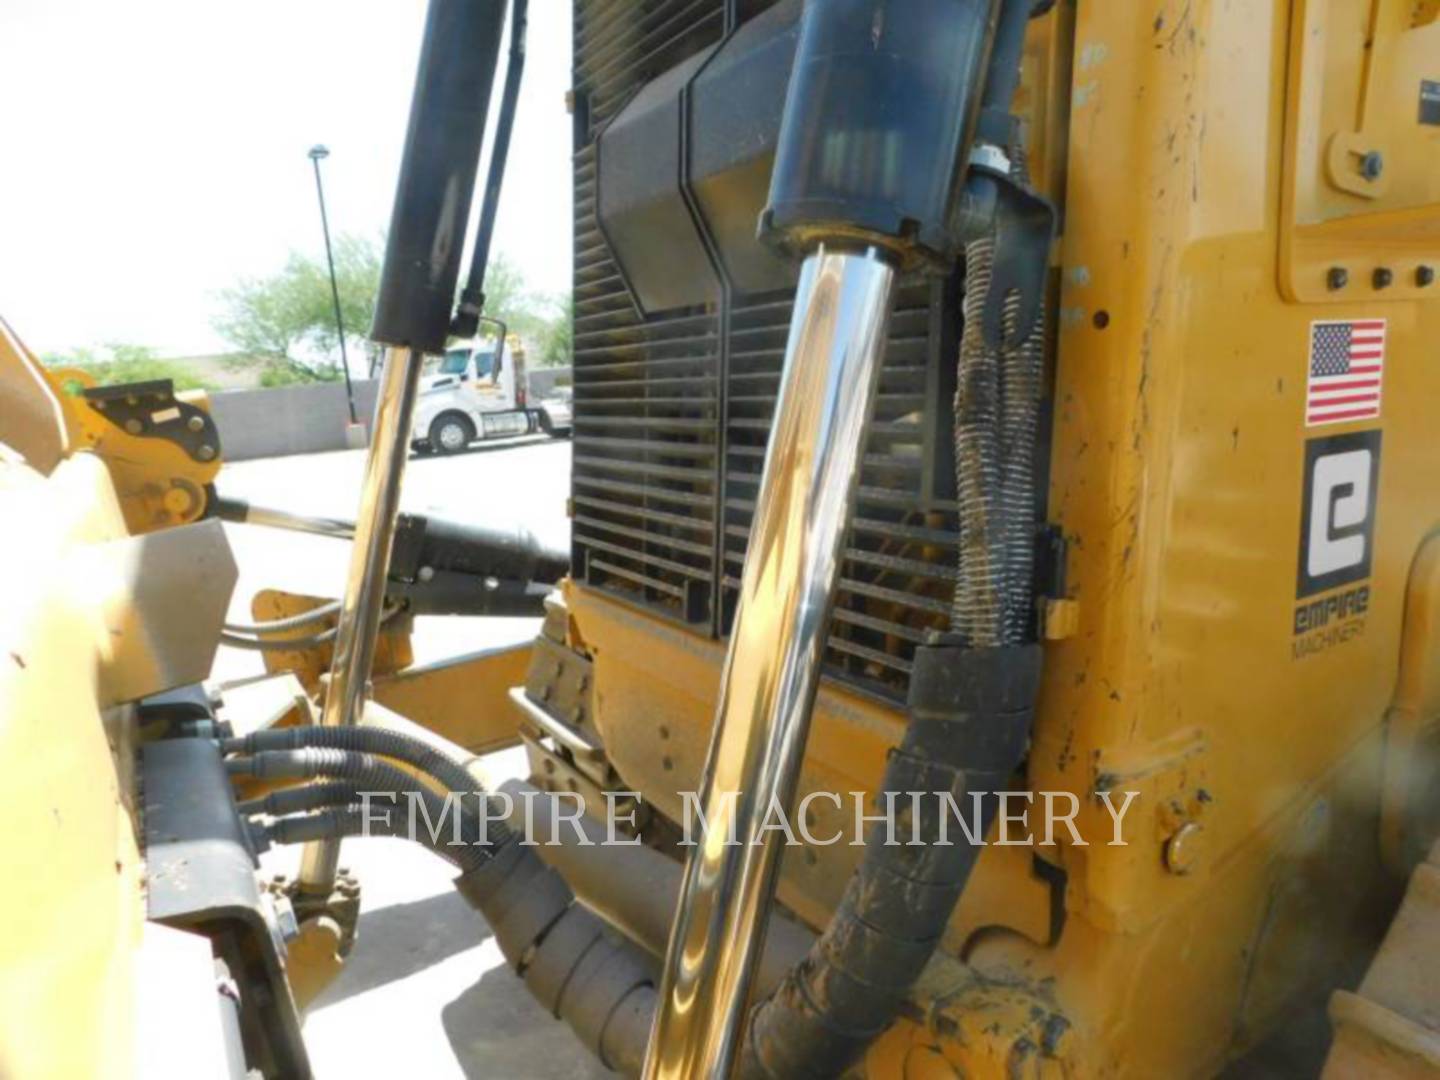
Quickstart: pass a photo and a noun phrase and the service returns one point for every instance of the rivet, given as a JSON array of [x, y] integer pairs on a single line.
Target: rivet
[[1383, 277], [1337, 278]]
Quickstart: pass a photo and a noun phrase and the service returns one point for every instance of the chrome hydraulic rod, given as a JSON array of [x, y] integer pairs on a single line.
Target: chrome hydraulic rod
[[360, 610], [772, 667], [238, 510]]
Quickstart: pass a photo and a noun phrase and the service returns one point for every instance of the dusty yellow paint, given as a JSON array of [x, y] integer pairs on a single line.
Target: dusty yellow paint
[[1203, 148], [1354, 95], [463, 699], [1177, 467], [72, 909], [392, 647], [157, 483]]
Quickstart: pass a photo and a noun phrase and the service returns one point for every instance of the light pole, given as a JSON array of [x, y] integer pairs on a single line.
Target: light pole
[[317, 154]]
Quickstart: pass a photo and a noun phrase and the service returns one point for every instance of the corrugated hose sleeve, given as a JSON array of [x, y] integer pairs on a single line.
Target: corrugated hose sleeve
[[971, 711]]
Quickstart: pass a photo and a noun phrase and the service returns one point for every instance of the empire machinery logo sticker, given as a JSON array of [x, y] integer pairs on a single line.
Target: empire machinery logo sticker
[[1337, 538]]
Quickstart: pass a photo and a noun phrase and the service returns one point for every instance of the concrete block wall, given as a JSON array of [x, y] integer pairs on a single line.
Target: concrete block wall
[[544, 380], [284, 420], [311, 418]]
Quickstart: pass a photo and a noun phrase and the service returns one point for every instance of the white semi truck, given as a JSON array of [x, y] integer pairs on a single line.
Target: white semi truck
[[477, 390]]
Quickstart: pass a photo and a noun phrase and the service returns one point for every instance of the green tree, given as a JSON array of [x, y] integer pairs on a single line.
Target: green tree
[[288, 318], [558, 345], [118, 363], [509, 299]]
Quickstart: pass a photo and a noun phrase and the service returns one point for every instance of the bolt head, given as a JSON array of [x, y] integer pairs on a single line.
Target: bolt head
[[195, 423], [178, 501], [1425, 276], [1383, 278], [205, 453], [1372, 165], [1182, 850], [134, 427], [1337, 278]]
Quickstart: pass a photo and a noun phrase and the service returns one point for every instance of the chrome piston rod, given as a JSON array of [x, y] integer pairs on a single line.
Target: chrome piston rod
[[772, 668], [239, 511], [360, 608]]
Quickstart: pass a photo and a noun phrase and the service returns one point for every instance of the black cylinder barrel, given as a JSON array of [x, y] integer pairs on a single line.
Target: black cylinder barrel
[[877, 124], [437, 176]]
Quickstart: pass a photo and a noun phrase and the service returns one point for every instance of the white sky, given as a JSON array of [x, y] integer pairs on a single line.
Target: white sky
[[152, 151]]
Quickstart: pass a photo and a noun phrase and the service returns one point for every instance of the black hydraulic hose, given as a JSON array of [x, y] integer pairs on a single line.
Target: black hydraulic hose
[[346, 821], [414, 752], [1006, 51], [308, 762], [365, 773], [293, 800], [472, 298], [332, 794]]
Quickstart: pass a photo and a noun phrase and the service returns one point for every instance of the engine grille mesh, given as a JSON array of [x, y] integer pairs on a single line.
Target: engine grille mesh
[[670, 427]]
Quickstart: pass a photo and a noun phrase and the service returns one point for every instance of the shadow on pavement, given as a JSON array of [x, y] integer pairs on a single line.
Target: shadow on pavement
[[497, 1029], [490, 446], [397, 941]]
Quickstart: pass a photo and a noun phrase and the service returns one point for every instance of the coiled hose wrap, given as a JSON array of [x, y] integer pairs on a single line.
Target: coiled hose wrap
[[997, 410]]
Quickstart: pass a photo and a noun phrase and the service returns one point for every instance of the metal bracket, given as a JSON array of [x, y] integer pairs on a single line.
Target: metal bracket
[[1024, 228], [201, 877], [150, 410]]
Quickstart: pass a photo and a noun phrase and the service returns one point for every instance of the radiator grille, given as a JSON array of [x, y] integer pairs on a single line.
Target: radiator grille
[[670, 427]]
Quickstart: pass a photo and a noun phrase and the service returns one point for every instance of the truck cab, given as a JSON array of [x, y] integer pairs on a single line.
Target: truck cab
[[477, 390]]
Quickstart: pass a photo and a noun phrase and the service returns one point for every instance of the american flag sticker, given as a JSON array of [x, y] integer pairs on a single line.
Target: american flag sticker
[[1347, 367]]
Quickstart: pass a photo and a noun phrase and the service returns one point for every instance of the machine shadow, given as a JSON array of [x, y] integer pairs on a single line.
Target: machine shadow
[[497, 1029], [488, 446], [396, 941]]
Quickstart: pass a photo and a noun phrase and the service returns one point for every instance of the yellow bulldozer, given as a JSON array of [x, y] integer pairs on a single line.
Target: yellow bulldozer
[[1000, 631]]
